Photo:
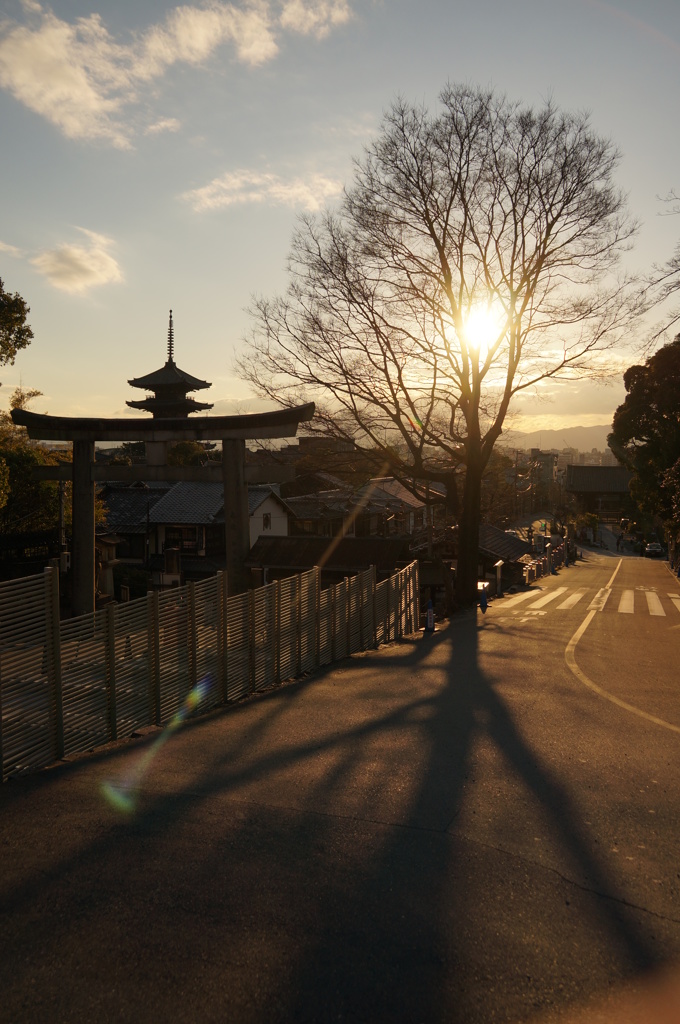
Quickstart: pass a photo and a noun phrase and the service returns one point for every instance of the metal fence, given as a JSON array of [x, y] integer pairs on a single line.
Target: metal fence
[[67, 687]]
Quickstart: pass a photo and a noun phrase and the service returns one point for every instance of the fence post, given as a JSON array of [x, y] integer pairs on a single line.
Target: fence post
[[317, 614], [154, 642], [277, 631], [409, 599], [2, 759], [374, 607], [388, 602], [54, 662], [400, 602], [360, 578], [221, 635], [252, 651], [225, 636], [333, 613], [417, 594], [298, 623], [192, 635], [348, 615], [110, 647]]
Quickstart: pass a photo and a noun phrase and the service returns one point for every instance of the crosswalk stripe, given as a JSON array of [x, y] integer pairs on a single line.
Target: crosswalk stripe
[[599, 601], [509, 602], [547, 598], [654, 603], [626, 604], [572, 600]]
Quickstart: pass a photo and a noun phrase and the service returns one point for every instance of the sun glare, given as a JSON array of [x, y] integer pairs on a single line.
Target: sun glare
[[482, 326]]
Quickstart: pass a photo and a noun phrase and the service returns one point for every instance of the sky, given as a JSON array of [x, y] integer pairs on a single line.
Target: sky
[[158, 156]]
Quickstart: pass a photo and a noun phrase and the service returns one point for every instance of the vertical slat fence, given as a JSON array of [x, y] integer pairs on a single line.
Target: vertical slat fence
[[67, 687]]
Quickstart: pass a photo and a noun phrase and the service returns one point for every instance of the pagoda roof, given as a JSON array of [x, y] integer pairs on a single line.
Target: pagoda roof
[[164, 407], [168, 376]]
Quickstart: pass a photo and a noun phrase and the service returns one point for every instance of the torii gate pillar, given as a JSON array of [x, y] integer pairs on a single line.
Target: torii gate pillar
[[236, 519], [82, 566]]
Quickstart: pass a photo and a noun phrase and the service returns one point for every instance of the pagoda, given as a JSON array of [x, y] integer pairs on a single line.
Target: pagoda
[[170, 387]]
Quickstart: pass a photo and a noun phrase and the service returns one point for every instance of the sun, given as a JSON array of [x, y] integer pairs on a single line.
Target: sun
[[482, 326]]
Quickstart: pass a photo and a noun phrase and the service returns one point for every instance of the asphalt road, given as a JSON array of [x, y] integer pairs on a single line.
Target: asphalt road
[[475, 826]]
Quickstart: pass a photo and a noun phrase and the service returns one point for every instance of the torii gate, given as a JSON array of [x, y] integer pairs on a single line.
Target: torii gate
[[232, 431], [170, 408]]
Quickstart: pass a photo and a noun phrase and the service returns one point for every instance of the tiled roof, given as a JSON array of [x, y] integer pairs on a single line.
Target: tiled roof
[[190, 503], [323, 505], [256, 495], [387, 490], [169, 375], [498, 544], [127, 507], [598, 479], [351, 553]]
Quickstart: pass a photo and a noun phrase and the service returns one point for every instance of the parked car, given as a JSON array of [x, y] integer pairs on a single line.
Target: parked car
[[653, 550]]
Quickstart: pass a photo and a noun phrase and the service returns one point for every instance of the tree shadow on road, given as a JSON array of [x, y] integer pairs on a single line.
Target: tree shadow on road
[[337, 886]]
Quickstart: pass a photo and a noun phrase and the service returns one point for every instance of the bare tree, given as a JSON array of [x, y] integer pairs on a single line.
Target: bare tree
[[664, 283], [486, 213]]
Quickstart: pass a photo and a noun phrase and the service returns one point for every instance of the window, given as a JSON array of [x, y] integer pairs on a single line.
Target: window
[[266, 521], [186, 538]]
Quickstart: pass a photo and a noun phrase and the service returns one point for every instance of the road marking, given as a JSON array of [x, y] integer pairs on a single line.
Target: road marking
[[570, 658], [547, 598], [654, 603], [613, 576], [509, 602], [627, 602], [675, 598], [599, 601], [572, 600]]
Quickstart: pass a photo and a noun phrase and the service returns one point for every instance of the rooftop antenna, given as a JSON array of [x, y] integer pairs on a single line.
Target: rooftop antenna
[[171, 340]]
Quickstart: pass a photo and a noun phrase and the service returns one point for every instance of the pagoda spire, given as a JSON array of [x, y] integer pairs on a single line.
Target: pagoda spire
[[170, 386], [171, 340]]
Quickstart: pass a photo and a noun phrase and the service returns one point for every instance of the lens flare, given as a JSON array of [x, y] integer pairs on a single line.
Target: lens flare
[[123, 795]]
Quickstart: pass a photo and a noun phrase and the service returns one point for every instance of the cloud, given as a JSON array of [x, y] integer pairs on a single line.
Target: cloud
[[316, 18], [191, 35], [166, 124], [82, 80], [11, 250], [77, 268], [245, 186]]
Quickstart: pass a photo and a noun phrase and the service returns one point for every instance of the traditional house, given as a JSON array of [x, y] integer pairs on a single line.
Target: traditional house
[[278, 557], [602, 490]]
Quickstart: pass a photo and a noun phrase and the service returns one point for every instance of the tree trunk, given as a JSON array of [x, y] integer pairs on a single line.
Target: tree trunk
[[468, 533], [451, 484]]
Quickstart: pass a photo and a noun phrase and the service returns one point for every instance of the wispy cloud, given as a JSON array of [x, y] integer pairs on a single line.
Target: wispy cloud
[[166, 124], [83, 80], [77, 268], [11, 250], [315, 18], [256, 187]]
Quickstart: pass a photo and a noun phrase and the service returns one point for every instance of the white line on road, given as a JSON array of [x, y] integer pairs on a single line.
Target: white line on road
[[509, 602], [570, 658], [627, 602], [613, 577], [547, 598], [675, 598], [572, 600], [599, 601], [654, 603]]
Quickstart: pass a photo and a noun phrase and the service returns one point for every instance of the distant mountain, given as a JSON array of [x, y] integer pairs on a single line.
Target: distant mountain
[[583, 438]]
